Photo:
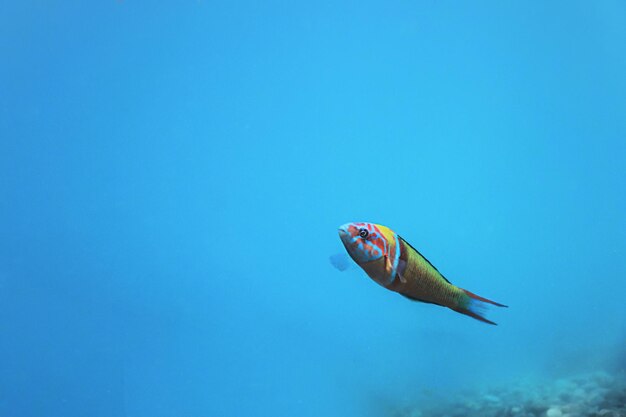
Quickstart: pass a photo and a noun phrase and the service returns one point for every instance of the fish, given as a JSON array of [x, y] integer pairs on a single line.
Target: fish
[[394, 264]]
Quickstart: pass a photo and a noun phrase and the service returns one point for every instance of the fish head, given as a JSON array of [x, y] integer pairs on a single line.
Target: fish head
[[366, 242]]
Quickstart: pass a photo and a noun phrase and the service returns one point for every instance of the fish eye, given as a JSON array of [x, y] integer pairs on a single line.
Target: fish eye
[[363, 232]]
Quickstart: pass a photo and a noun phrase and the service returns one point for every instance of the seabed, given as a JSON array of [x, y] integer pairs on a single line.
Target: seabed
[[598, 394]]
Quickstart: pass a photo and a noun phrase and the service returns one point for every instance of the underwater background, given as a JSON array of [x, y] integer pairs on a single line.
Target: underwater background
[[172, 176]]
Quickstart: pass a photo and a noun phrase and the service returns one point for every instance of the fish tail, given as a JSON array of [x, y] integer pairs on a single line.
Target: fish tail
[[475, 306]]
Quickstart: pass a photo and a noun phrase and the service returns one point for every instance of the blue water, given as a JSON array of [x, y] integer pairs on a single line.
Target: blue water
[[172, 176]]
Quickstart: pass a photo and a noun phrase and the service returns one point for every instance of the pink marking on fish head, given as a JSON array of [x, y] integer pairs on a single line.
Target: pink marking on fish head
[[364, 241]]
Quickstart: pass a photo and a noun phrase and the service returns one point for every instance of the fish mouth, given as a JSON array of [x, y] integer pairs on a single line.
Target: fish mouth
[[343, 230], [344, 234]]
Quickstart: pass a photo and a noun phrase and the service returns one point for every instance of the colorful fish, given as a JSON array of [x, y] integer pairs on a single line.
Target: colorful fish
[[393, 263]]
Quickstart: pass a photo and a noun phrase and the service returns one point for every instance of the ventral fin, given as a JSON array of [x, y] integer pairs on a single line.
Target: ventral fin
[[341, 261]]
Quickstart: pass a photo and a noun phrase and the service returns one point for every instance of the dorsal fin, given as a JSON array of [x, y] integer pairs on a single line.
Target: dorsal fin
[[424, 258]]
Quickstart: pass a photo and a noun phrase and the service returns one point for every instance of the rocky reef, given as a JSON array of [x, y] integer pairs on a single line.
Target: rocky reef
[[597, 394]]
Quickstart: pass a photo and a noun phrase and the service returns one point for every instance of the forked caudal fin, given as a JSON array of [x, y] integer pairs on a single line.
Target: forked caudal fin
[[476, 306]]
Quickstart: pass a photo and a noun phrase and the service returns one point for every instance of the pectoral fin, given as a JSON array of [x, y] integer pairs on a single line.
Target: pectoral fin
[[402, 279], [400, 271], [401, 265]]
